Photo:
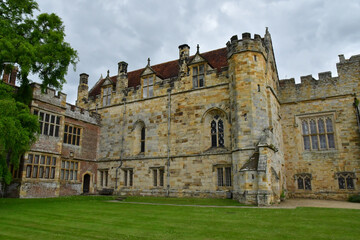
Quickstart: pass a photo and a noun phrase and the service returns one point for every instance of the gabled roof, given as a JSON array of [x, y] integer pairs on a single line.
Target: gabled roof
[[216, 59]]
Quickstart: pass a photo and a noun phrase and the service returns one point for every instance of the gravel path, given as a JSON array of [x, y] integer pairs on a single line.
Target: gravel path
[[293, 203]]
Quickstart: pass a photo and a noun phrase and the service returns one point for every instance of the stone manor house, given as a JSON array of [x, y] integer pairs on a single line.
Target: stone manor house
[[216, 124]]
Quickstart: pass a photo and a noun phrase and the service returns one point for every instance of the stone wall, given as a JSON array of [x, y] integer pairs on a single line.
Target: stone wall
[[328, 96]]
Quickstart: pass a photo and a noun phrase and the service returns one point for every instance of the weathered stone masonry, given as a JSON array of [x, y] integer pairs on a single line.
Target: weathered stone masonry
[[213, 124]]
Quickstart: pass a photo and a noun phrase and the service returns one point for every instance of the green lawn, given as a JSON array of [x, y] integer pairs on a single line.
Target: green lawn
[[94, 218]]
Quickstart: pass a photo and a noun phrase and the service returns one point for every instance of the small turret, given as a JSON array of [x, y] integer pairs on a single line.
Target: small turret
[[83, 90], [184, 52], [122, 80], [122, 68]]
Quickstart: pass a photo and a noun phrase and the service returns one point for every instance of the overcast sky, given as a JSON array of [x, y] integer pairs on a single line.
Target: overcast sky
[[307, 36]]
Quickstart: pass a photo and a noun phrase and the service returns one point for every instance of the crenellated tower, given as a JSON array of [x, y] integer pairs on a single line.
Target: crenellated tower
[[256, 131]]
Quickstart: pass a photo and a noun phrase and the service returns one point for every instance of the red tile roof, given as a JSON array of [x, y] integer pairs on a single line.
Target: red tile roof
[[216, 59]]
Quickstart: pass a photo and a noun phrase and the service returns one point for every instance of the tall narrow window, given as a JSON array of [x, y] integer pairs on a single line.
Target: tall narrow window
[[142, 140], [158, 176], [161, 177], [217, 132], [128, 177], [155, 177], [318, 133], [107, 96], [148, 87], [104, 174], [198, 76]]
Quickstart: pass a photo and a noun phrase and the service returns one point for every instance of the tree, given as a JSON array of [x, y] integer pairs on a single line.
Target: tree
[[34, 44], [18, 130]]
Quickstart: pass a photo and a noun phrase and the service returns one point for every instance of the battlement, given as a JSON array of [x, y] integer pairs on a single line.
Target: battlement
[[324, 78], [246, 43], [326, 86], [81, 114], [49, 95]]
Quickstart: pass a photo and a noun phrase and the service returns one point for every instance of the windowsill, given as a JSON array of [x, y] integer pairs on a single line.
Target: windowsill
[[71, 145], [224, 188], [320, 151], [48, 136]]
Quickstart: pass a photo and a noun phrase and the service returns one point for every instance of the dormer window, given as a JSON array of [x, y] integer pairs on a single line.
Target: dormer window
[[198, 75], [107, 96], [148, 87]]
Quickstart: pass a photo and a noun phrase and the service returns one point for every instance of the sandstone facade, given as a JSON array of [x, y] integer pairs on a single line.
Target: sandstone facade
[[214, 124]]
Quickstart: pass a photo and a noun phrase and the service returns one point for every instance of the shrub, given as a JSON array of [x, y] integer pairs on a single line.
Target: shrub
[[354, 198]]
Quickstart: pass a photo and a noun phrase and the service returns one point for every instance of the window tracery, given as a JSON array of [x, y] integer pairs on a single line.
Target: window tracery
[[217, 132]]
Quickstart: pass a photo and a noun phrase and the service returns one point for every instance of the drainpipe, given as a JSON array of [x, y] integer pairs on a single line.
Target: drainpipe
[[122, 144], [168, 146]]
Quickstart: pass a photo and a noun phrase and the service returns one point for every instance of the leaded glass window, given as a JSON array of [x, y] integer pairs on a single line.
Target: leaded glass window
[[107, 96], [198, 76], [224, 176], [148, 87], [49, 123], [318, 133], [303, 181], [345, 180], [217, 132]]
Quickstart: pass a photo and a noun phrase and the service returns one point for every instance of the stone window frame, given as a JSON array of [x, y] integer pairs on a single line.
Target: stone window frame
[[303, 181], [158, 174], [128, 177], [69, 170], [346, 180], [49, 123], [198, 77], [104, 177], [147, 88], [36, 161], [224, 175], [106, 96], [206, 136], [75, 135], [320, 140]]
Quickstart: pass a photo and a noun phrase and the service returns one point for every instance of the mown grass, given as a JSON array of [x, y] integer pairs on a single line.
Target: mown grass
[[184, 201], [94, 218]]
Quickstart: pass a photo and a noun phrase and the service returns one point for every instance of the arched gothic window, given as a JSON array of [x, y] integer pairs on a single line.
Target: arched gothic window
[[217, 132], [142, 140], [303, 181]]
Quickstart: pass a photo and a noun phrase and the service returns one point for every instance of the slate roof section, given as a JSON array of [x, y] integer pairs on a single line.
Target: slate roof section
[[217, 59]]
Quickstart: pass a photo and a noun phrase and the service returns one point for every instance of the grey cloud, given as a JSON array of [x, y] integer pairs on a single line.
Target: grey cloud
[[307, 35]]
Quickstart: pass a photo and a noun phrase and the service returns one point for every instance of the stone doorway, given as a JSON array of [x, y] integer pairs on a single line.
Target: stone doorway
[[86, 183]]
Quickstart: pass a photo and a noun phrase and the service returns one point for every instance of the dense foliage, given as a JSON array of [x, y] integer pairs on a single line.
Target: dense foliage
[[34, 44], [18, 129]]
